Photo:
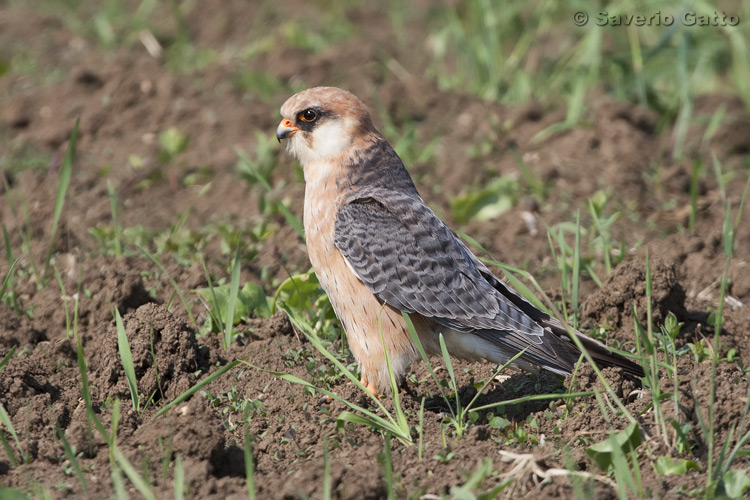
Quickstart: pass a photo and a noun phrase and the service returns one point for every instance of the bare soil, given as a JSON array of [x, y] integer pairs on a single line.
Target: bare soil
[[125, 98]]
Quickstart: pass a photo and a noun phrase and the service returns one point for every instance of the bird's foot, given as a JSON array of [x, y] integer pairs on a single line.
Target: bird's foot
[[373, 390]]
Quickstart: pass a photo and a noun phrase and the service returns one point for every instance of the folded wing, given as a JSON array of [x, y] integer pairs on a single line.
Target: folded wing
[[409, 259]]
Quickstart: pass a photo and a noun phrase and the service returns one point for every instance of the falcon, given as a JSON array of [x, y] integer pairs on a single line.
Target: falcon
[[378, 250]]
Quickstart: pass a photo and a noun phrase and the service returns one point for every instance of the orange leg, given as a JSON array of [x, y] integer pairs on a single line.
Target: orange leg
[[373, 390]]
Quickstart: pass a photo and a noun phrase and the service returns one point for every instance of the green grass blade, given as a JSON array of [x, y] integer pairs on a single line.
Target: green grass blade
[[686, 102], [179, 478], [8, 278], [367, 417], [426, 359], [5, 420], [743, 199], [215, 312], [491, 378], [198, 386], [713, 126], [474, 481], [72, 459], [737, 447], [740, 442], [62, 189], [6, 237], [449, 367], [355, 418], [7, 357], [420, 429], [694, 177], [8, 451], [576, 269], [563, 274], [327, 471], [309, 333], [234, 289], [720, 180], [728, 231], [61, 284], [386, 464], [115, 218], [118, 484], [536, 397], [249, 464], [127, 361], [400, 417], [112, 437], [86, 390], [715, 474], [140, 485]]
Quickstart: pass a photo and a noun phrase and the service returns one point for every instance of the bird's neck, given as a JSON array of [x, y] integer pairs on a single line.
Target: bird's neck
[[378, 166]]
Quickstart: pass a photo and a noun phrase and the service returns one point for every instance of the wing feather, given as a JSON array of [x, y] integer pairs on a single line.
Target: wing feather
[[412, 261]]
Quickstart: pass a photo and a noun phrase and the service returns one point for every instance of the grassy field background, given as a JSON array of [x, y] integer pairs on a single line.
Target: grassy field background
[[162, 334]]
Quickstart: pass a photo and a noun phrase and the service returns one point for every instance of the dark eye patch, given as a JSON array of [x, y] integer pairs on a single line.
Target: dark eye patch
[[308, 118], [308, 115]]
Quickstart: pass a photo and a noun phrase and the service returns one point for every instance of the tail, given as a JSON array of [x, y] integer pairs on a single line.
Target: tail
[[555, 351], [598, 351]]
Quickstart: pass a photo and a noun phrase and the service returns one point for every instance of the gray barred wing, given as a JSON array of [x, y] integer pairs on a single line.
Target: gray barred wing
[[412, 261]]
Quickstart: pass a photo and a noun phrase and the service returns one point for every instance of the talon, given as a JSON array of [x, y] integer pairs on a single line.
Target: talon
[[373, 390]]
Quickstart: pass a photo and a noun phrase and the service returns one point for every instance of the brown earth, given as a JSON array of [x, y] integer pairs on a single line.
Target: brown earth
[[125, 98]]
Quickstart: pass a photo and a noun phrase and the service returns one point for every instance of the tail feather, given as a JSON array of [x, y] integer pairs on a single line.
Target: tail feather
[[598, 351], [557, 352]]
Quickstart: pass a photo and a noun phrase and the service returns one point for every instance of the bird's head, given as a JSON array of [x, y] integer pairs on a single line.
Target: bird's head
[[321, 123]]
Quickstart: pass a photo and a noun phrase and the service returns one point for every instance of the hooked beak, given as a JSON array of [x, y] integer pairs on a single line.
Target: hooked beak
[[285, 129]]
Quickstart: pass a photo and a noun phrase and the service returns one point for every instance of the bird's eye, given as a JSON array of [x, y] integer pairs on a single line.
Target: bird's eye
[[308, 115]]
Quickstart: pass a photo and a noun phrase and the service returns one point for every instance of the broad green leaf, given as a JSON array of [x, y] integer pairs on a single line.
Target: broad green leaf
[[496, 198], [623, 442], [668, 465], [499, 423], [299, 291], [735, 483], [9, 494], [172, 142], [251, 301]]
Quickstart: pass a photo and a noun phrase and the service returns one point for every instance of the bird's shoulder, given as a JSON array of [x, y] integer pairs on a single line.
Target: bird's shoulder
[[391, 214], [374, 164]]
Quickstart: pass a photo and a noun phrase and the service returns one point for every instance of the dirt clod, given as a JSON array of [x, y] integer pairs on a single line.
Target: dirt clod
[[625, 288]]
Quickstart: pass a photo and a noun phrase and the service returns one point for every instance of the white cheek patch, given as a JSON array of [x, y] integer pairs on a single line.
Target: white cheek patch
[[329, 139]]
